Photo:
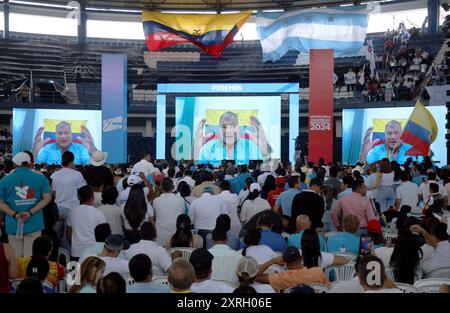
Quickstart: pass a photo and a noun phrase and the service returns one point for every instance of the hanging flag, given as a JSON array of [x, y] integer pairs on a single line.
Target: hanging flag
[[370, 56], [210, 32], [340, 28], [420, 131]]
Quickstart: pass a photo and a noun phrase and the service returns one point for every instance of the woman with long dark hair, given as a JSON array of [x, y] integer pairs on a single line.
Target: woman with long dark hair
[[183, 237], [261, 253], [185, 192], [269, 185], [405, 258], [402, 216], [135, 212], [312, 256], [385, 193]]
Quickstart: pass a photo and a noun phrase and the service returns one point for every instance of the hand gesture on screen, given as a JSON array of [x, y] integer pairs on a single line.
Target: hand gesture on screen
[[39, 143], [260, 137], [199, 139], [367, 144], [87, 141]]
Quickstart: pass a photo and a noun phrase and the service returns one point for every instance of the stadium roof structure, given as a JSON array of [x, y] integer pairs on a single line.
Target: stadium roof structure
[[200, 5]]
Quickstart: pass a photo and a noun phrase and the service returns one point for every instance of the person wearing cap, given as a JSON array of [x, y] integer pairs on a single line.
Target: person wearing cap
[[272, 197], [65, 183], [167, 207], [268, 237], [50, 153], [204, 212], [114, 245], [205, 181], [145, 165], [375, 232], [147, 245], [345, 241], [82, 221], [246, 271], [201, 259], [283, 202], [181, 276], [97, 169], [224, 256], [135, 179], [140, 267], [310, 203], [23, 195], [295, 273], [356, 204], [102, 231], [303, 223], [243, 194], [253, 204]]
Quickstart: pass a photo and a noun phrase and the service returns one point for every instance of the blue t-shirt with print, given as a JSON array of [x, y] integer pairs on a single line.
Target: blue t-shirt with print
[[348, 241], [22, 190]]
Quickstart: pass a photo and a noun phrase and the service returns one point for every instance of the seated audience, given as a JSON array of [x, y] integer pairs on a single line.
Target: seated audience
[[375, 283], [246, 270], [261, 253], [91, 271], [183, 237], [181, 276], [302, 222], [140, 267], [111, 210], [345, 241], [114, 245], [112, 283]]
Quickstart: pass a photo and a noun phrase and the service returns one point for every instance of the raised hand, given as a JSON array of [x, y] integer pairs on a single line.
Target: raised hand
[[260, 137], [39, 143], [367, 144], [87, 141]]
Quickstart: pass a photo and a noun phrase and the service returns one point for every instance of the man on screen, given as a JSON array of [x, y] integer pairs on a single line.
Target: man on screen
[[51, 153], [393, 148], [230, 145]]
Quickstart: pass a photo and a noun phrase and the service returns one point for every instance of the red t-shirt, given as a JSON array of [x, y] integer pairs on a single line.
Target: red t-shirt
[[273, 195]]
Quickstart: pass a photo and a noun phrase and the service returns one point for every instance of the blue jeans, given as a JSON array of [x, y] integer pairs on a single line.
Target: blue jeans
[[385, 197]]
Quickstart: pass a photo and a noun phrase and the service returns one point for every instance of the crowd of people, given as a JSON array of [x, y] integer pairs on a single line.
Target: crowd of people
[[219, 229], [399, 70]]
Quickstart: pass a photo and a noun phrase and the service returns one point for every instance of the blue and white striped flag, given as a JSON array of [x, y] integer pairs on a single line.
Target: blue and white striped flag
[[340, 28]]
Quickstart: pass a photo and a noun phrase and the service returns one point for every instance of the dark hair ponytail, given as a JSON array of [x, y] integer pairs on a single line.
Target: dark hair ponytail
[[251, 238]]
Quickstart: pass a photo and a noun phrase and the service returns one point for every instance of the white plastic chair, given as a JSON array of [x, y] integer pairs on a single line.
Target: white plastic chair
[[351, 257], [341, 272], [160, 280], [185, 251], [130, 280], [439, 273], [431, 285], [406, 288], [390, 272], [389, 237], [319, 288]]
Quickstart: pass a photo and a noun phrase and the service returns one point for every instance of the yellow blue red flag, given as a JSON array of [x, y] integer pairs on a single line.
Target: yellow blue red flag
[[420, 131], [210, 32]]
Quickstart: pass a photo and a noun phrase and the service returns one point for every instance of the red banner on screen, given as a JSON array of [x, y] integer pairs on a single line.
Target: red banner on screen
[[320, 122]]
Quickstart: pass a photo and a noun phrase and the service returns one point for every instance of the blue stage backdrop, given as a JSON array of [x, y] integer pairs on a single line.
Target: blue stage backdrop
[[114, 107]]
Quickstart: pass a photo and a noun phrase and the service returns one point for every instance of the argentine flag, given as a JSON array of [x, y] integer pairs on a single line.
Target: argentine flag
[[342, 29]]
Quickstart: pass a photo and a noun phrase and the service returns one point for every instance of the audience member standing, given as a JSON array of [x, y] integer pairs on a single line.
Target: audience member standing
[[309, 202]]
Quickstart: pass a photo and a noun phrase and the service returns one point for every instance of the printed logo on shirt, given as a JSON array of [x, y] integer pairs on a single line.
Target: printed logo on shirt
[[26, 194]]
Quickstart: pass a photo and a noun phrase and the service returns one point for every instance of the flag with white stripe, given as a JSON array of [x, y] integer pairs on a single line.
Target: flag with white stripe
[[342, 29]]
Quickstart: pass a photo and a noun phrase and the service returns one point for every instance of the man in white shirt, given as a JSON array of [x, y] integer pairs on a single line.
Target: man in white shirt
[[407, 192], [439, 241], [160, 258], [111, 210], [140, 267], [204, 212], [225, 258], [65, 183], [231, 201], [114, 245], [201, 259], [424, 189], [167, 207], [144, 166], [187, 177], [82, 221]]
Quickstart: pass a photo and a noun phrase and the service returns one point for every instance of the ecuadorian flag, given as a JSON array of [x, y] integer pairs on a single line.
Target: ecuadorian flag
[[210, 32], [75, 125], [420, 131]]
